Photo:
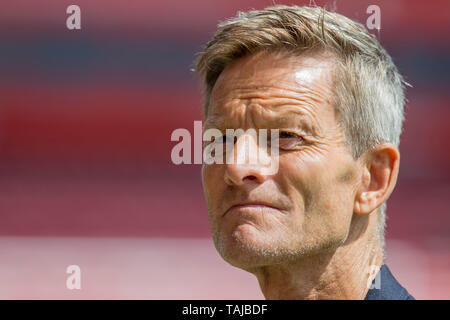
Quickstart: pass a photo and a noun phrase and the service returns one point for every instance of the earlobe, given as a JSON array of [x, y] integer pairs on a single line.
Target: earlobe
[[361, 205], [379, 177], [367, 202]]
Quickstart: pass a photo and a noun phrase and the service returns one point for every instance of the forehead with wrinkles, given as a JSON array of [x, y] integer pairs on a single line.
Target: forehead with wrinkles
[[271, 87]]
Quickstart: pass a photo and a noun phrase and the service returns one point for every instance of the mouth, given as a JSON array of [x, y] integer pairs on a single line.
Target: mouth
[[252, 207]]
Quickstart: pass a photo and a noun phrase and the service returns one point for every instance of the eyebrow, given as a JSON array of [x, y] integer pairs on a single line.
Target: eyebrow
[[296, 120], [287, 119]]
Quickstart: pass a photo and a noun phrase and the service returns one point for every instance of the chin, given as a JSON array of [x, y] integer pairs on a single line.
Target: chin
[[247, 248]]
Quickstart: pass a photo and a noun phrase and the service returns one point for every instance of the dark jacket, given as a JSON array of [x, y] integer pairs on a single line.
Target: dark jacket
[[386, 287]]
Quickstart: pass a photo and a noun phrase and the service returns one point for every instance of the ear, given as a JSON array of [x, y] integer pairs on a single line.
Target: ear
[[379, 176]]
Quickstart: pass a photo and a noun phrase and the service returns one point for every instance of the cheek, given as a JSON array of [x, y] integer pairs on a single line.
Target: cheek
[[303, 180], [206, 181], [213, 183], [319, 187]]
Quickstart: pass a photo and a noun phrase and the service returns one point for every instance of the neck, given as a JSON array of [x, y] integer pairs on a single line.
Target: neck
[[342, 273]]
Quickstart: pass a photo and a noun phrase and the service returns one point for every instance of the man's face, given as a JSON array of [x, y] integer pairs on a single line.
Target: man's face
[[304, 208]]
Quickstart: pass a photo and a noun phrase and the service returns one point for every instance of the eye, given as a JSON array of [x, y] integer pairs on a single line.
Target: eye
[[222, 140], [227, 139], [287, 134], [290, 140]]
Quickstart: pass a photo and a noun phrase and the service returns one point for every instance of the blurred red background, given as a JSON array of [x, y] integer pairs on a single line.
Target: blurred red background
[[85, 171]]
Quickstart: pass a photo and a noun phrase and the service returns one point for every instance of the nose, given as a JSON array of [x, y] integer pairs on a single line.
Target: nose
[[244, 164]]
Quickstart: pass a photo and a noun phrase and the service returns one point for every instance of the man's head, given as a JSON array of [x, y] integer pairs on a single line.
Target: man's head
[[337, 100]]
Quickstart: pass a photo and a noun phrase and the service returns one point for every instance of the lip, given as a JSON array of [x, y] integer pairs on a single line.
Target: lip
[[252, 206]]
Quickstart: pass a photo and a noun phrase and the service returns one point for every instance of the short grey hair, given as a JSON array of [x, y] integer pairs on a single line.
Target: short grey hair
[[368, 89]]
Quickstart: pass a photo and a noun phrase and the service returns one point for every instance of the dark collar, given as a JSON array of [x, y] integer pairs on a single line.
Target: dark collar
[[385, 287]]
